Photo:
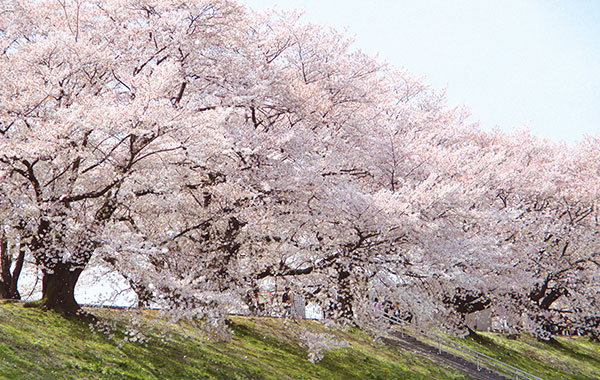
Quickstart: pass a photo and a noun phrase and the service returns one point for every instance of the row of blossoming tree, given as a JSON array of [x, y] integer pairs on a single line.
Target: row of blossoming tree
[[200, 149]]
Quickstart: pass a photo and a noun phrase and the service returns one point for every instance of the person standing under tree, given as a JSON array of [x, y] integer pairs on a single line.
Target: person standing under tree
[[286, 301]]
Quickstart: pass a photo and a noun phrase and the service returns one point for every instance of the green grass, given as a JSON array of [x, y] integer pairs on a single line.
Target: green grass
[[562, 358], [44, 345]]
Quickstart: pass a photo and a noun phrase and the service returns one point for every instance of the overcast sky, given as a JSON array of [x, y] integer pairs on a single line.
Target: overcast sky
[[513, 62]]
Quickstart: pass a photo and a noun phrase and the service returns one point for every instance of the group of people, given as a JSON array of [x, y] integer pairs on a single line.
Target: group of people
[[392, 311]]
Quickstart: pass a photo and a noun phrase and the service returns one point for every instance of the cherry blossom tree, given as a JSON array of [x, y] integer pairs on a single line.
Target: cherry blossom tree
[[554, 222], [201, 150], [93, 112]]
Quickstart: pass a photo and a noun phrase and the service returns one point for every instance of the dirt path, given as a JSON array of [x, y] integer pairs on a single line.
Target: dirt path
[[458, 363]]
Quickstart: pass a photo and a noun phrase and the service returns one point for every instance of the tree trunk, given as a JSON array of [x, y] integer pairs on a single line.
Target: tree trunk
[[345, 298], [9, 281], [58, 289]]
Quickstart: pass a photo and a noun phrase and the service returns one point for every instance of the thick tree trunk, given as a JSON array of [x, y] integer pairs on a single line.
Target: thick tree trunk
[[58, 289], [345, 307], [345, 298]]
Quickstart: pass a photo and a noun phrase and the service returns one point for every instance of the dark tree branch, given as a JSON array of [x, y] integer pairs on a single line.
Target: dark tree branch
[[179, 96]]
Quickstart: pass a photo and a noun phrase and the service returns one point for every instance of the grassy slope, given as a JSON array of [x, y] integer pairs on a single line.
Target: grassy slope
[[43, 345], [565, 358], [40, 345]]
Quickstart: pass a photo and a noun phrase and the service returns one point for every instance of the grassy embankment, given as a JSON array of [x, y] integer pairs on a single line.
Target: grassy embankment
[[44, 345]]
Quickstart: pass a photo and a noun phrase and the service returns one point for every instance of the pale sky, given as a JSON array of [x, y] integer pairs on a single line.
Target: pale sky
[[512, 62]]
